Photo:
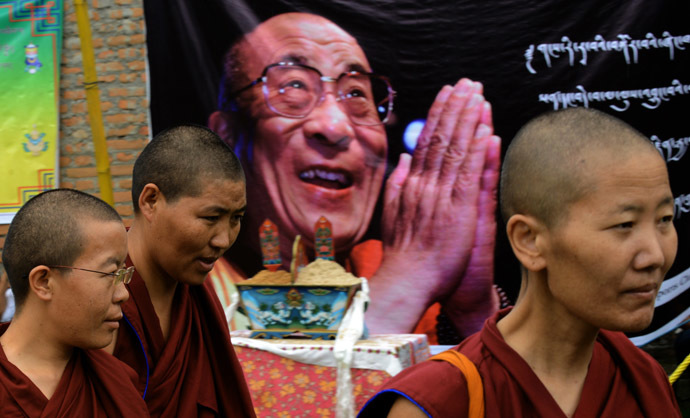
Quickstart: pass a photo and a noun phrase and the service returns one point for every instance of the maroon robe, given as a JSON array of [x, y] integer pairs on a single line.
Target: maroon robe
[[194, 373], [622, 381], [94, 384]]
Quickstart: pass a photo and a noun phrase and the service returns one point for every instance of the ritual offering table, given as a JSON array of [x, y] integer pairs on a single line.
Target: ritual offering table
[[297, 377]]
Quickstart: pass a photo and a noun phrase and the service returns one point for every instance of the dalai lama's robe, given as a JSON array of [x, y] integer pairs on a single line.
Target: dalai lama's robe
[[194, 373], [94, 384], [623, 381]]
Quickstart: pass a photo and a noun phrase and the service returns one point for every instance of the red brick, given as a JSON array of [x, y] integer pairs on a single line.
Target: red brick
[[105, 54], [127, 26], [74, 120], [123, 144], [145, 103], [116, 14], [118, 40], [71, 70], [118, 91], [67, 184], [123, 2], [124, 157], [97, 42], [125, 184], [65, 161], [83, 160], [137, 39], [81, 172], [85, 184], [94, 15], [108, 78], [105, 106], [115, 66], [63, 108], [128, 53], [70, 17], [74, 94], [137, 65], [125, 210], [120, 131], [127, 104], [128, 77], [120, 197], [122, 170], [126, 217], [138, 91], [4, 229], [144, 130], [137, 11], [119, 118], [79, 107]]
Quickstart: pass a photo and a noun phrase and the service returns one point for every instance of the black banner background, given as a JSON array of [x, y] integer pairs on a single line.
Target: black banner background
[[423, 45]]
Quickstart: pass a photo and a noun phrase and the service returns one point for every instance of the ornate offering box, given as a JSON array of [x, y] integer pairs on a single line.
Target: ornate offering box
[[308, 302], [284, 311]]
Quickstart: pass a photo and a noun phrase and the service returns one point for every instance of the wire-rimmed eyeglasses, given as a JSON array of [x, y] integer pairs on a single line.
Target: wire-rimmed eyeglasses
[[294, 90], [119, 276]]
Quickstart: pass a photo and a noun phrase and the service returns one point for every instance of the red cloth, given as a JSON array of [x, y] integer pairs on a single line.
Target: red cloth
[[623, 381], [94, 384], [194, 373]]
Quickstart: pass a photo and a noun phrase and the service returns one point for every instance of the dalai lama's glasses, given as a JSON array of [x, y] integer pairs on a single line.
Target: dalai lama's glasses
[[119, 276], [294, 90]]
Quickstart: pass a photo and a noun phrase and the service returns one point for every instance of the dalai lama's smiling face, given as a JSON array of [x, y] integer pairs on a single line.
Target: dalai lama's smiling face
[[319, 164], [86, 305], [192, 232]]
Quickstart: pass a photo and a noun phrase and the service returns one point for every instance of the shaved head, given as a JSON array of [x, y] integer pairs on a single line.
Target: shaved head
[[550, 162], [47, 230], [179, 159]]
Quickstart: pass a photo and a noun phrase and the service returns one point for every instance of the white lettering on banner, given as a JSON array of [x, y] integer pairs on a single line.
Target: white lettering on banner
[[653, 97], [670, 326], [671, 149], [681, 205], [624, 43], [673, 287]]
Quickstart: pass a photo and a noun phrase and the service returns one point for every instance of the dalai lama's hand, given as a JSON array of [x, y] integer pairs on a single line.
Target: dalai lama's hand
[[474, 299], [431, 207]]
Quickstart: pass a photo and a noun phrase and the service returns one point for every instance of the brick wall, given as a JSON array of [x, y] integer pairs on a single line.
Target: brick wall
[[117, 30]]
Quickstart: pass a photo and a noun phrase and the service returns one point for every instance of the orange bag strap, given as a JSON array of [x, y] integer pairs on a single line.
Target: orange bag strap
[[475, 388]]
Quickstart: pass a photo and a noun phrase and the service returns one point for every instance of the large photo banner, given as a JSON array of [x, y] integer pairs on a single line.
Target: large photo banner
[[630, 59], [30, 45]]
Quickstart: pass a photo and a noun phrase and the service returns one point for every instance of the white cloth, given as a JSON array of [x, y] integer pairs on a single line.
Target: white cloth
[[9, 310], [349, 332]]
